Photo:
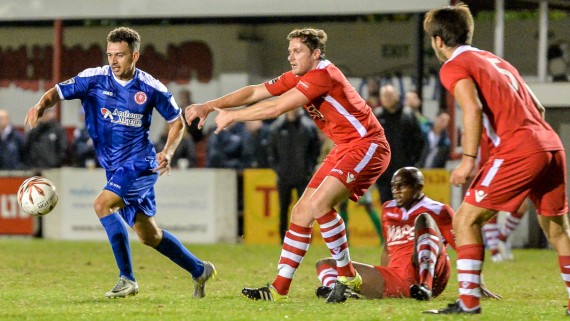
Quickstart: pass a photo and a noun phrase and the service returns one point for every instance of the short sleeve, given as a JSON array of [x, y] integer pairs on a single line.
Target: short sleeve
[[315, 83], [281, 84], [452, 72], [73, 88], [166, 106]]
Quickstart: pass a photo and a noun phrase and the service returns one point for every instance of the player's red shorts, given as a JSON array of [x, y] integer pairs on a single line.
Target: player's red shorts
[[397, 281], [504, 182], [356, 165]]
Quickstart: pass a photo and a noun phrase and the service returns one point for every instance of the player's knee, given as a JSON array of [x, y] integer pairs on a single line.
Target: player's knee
[[318, 207], [424, 220], [300, 211], [100, 207], [421, 220]]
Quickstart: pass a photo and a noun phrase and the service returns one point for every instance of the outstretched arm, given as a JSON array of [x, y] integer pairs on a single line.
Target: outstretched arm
[[266, 109], [48, 100], [243, 96]]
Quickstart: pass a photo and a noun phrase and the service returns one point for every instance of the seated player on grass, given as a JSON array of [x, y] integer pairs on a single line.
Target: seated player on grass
[[414, 262]]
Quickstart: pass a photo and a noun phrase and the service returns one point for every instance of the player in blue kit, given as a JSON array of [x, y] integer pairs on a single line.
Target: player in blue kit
[[118, 100]]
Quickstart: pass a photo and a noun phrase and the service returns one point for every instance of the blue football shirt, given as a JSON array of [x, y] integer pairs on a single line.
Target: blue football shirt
[[118, 117]]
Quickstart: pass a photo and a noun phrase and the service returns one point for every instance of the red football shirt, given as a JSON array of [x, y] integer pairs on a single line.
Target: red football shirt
[[398, 227], [335, 106], [511, 120]]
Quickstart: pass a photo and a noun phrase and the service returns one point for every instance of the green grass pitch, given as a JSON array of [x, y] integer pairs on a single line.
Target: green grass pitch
[[59, 280]]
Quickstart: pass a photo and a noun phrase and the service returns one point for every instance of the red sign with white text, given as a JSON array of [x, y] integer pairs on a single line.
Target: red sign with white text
[[13, 220]]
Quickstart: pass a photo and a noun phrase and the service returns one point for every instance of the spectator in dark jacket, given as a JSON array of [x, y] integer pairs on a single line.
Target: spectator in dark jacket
[[227, 149], [404, 135], [47, 143], [294, 147], [12, 144], [256, 144], [83, 150]]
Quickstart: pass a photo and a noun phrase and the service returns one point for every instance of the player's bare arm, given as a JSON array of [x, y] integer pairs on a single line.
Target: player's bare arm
[[48, 100], [265, 109], [244, 96], [466, 96], [175, 133]]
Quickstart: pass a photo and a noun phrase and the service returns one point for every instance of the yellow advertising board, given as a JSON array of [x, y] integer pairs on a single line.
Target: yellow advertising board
[[261, 208], [436, 185]]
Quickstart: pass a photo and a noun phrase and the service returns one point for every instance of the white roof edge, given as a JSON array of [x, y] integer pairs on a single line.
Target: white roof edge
[[15, 10]]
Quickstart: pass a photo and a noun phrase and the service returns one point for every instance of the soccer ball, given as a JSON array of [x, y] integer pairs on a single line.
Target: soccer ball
[[37, 196]]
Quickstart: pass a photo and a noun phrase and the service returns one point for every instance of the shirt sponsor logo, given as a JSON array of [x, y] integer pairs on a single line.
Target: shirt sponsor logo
[[397, 233], [140, 98], [106, 113], [122, 117], [303, 84], [108, 93], [314, 112], [479, 195]]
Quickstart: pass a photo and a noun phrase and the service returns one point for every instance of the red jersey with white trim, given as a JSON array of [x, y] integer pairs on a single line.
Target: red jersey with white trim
[[511, 119], [398, 227], [335, 106]]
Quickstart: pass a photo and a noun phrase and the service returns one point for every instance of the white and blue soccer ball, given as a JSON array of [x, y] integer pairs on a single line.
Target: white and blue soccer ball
[[37, 196]]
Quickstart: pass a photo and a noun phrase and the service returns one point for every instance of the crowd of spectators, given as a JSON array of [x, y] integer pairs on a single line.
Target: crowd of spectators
[[244, 145]]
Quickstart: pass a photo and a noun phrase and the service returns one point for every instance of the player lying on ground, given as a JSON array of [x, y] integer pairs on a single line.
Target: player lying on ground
[[414, 262]]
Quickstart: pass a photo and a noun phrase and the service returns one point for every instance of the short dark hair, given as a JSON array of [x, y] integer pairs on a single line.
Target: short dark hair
[[128, 35], [453, 24], [410, 176], [312, 38]]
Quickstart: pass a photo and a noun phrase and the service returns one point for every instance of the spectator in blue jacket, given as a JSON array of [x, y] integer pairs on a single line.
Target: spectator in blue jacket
[[12, 144]]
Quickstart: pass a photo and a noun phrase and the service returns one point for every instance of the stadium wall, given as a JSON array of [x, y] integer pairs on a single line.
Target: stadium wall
[[245, 53], [199, 206]]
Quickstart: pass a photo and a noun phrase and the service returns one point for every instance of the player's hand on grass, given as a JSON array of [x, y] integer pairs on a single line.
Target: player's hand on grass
[[194, 111], [486, 293], [163, 160], [223, 120]]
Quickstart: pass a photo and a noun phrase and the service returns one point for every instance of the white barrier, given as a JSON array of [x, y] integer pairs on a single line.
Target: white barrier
[[196, 205]]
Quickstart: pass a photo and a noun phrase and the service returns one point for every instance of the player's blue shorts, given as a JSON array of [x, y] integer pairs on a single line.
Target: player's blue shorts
[[134, 183]]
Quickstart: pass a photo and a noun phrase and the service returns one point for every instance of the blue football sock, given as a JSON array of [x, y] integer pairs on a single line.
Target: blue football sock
[[119, 239], [171, 247]]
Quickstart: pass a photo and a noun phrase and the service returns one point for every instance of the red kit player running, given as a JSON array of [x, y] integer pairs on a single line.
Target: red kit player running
[[527, 159], [361, 153]]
